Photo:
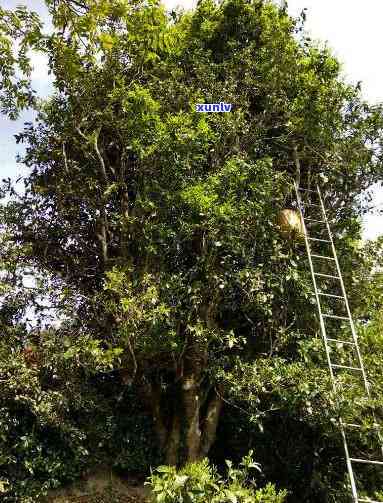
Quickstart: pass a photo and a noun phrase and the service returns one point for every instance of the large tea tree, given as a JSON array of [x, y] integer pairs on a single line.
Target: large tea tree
[[159, 220]]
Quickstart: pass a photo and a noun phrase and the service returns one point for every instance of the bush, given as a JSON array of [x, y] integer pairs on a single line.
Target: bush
[[57, 422], [200, 482]]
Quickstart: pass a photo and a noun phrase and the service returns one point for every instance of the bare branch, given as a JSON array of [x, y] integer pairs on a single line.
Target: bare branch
[[65, 158], [102, 237], [102, 163], [132, 354], [95, 146]]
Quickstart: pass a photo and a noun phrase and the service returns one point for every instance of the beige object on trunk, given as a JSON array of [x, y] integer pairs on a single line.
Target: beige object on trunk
[[290, 223]]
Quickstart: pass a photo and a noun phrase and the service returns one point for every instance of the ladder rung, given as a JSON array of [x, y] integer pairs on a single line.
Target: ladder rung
[[345, 367], [322, 256], [340, 341], [375, 426], [331, 295], [326, 275], [366, 461], [314, 220], [375, 429], [308, 190], [351, 425], [369, 501], [317, 239], [335, 317]]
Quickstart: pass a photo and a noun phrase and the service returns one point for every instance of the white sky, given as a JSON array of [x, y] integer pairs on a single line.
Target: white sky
[[351, 28]]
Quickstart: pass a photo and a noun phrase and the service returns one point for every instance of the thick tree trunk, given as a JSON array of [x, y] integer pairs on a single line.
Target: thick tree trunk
[[172, 455], [191, 402], [194, 363], [211, 423], [186, 428], [158, 420], [187, 435]]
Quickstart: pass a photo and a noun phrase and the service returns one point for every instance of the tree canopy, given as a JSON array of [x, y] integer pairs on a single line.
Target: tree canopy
[[151, 228]]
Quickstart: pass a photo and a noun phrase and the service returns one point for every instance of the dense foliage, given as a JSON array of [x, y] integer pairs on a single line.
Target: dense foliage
[[58, 421], [198, 482], [150, 233]]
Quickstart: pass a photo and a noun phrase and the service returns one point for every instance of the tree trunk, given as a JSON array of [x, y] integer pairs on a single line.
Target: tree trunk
[[194, 362], [188, 435], [159, 424], [173, 442], [211, 423], [191, 402]]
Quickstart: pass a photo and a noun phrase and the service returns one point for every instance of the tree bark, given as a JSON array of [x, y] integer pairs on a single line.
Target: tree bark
[[159, 424], [187, 435], [211, 423], [173, 441], [187, 428], [194, 363], [191, 401]]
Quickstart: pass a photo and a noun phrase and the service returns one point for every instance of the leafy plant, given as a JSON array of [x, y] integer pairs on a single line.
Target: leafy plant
[[200, 482]]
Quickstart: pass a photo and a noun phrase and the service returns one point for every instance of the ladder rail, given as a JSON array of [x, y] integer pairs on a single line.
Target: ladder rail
[[352, 325], [324, 336], [353, 331], [321, 321], [328, 340]]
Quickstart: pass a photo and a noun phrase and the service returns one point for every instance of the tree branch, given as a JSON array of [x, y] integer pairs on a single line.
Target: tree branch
[[65, 158], [95, 146], [102, 237], [132, 354], [100, 158]]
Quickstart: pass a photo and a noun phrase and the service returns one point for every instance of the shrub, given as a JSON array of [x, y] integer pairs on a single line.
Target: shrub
[[200, 482], [57, 422]]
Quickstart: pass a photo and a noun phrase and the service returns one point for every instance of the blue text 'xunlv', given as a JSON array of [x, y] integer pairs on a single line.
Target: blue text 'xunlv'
[[213, 107]]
